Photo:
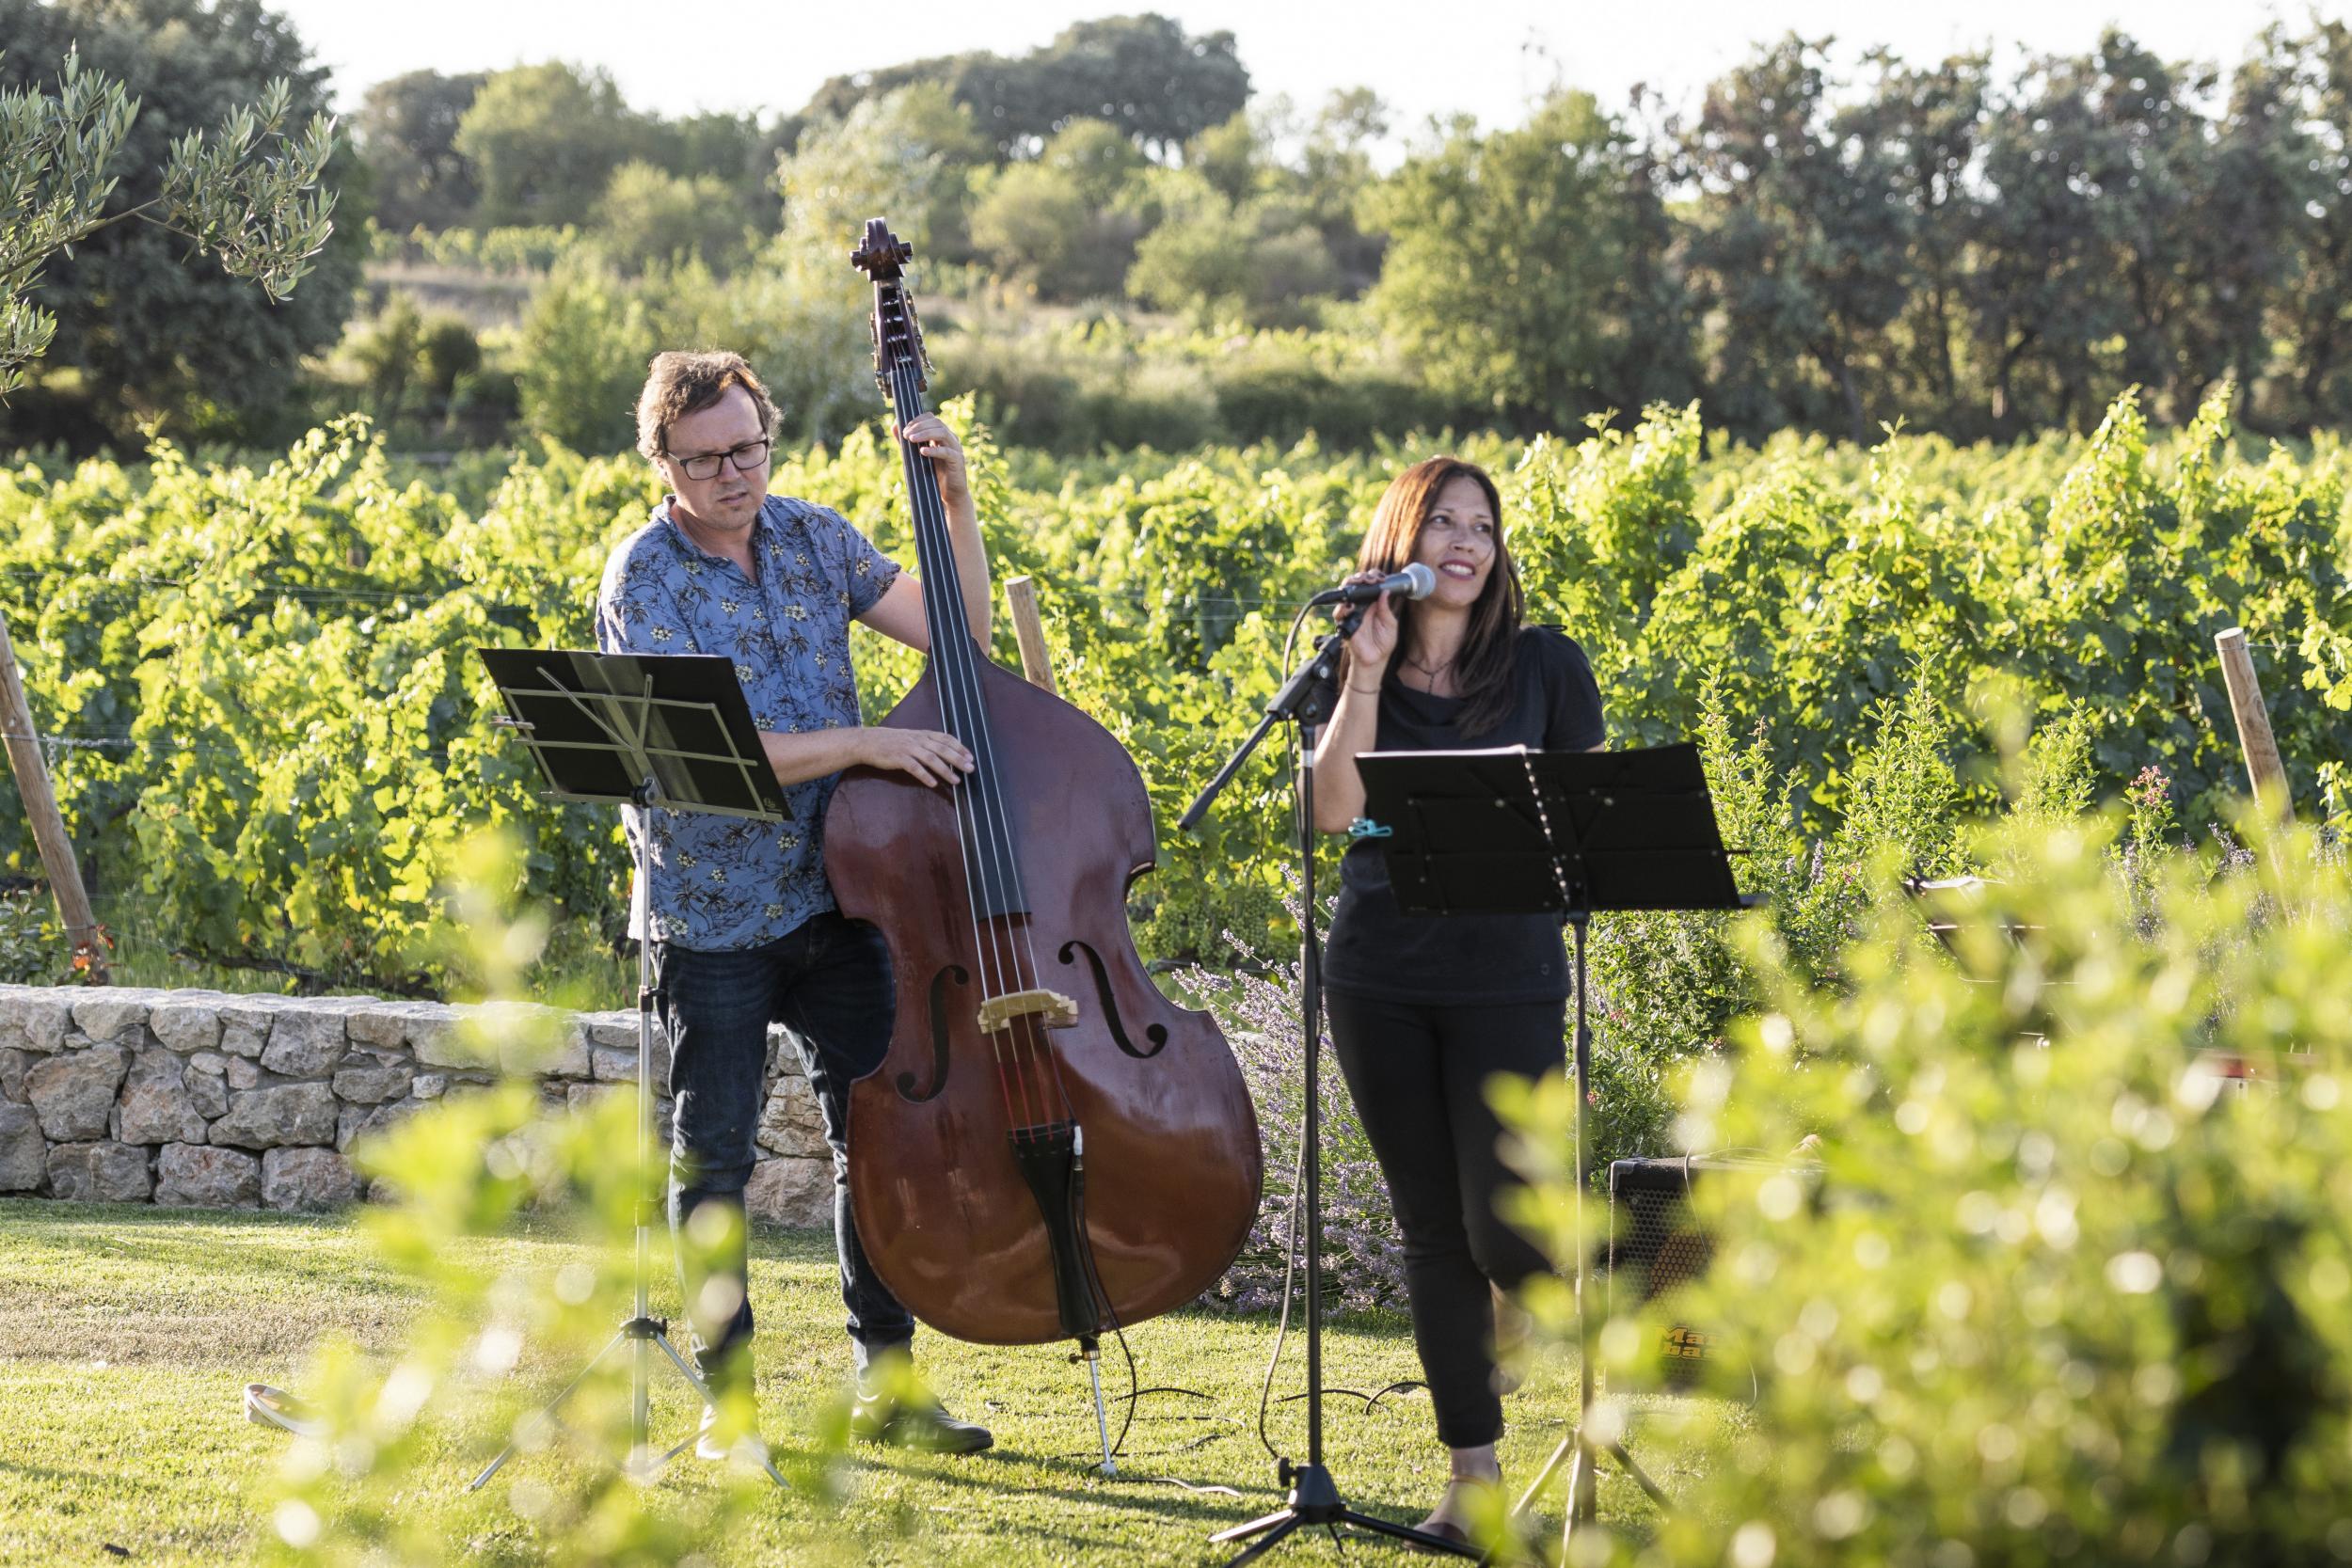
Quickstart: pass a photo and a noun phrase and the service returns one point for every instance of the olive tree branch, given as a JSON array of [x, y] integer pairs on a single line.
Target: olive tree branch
[[250, 197]]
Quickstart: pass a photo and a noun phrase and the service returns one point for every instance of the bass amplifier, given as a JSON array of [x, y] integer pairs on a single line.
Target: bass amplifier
[[1657, 1246]]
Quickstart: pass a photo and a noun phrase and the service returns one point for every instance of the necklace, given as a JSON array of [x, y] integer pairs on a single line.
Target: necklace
[[1434, 675]]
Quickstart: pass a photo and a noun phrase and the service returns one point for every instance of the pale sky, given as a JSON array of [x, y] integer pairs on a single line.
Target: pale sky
[[1486, 57]]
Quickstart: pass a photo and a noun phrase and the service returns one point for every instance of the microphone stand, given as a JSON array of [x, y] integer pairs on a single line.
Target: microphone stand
[[1308, 699]]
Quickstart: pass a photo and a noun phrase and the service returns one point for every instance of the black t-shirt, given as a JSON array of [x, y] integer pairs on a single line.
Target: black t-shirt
[[1379, 951]]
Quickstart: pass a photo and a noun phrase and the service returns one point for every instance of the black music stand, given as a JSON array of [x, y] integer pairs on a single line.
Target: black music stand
[[670, 732], [1515, 831]]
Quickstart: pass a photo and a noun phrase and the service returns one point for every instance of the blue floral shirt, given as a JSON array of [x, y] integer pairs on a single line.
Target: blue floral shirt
[[725, 882]]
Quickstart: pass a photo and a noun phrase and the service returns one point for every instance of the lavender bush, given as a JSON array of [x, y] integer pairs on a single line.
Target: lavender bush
[[1363, 1258]]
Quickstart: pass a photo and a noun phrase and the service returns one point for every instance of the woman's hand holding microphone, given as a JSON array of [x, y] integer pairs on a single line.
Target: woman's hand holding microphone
[[1375, 642]]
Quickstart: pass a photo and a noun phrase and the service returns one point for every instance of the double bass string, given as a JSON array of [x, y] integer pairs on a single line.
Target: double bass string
[[943, 639], [960, 689], [991, 815]]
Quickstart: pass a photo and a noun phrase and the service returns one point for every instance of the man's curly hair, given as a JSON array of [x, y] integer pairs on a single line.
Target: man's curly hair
[[680, 384]]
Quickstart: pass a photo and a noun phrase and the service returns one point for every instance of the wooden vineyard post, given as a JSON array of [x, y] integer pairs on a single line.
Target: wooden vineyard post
[[40, 810], [2263, 767], [1028, 627]]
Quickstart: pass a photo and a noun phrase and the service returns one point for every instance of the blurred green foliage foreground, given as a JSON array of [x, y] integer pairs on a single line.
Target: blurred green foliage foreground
[[2059, 1274], [2052, 1284]]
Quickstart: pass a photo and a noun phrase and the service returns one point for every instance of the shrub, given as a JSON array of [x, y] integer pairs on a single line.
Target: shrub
[[2054, 1288], [905, 155], [805, 335], [447, 350], [33, 949], [487, 1161], [1035, 224], [1285, 386], [1084, 388], [648, 216], [585, 343], [411, 363]]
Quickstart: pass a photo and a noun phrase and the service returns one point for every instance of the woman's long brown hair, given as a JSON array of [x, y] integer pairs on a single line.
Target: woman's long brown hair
[[1481, 670]]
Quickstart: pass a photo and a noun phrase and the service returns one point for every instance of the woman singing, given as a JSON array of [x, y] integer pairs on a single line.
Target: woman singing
[[1425, 1011]]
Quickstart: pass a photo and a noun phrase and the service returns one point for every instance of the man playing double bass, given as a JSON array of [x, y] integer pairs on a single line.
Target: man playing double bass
[[742, 920]]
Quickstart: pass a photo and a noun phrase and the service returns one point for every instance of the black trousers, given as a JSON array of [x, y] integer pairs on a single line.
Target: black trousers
[[1417, 1074]]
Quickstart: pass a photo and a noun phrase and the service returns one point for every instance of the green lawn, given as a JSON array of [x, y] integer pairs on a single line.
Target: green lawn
[[127, 1334]]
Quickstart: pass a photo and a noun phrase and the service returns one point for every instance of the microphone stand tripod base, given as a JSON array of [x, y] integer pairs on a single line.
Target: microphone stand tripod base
[[643, 1463], [1314, 1500], [677, 728], [1578, 1447], [1583, 1475]]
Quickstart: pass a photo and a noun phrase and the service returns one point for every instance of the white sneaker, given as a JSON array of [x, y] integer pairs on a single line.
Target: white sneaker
[[748, 1446], [275, 1407]]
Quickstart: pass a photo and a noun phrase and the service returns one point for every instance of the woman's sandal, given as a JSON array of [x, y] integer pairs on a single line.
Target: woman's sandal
[[1444, 1529]]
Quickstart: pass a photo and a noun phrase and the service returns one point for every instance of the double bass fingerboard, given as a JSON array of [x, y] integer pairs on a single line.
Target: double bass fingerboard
[[984, 819]]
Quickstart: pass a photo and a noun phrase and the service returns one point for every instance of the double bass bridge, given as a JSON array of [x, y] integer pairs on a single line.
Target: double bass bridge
[[1052, 1009]]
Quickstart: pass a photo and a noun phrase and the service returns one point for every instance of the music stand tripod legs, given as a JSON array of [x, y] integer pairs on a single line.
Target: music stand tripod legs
[[642, 1332], [1577, 1449]]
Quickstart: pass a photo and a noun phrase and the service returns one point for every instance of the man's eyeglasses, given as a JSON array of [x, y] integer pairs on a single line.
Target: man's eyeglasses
[[750, 455]]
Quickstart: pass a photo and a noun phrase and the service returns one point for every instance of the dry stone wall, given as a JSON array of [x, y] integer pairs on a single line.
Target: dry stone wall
[[204, 1100]]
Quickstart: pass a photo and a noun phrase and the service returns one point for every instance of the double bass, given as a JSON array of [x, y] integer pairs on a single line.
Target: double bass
[[1050, 1146]]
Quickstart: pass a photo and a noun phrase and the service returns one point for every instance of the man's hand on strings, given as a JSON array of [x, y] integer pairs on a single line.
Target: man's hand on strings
[[931, 757], [928, 435]]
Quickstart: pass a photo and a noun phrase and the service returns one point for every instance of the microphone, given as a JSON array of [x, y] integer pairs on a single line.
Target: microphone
[[1416, 581]]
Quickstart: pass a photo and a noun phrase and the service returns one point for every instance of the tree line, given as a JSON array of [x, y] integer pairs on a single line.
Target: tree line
[[1973, 251]]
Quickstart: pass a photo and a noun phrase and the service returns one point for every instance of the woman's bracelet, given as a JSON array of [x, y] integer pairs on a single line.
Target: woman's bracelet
[[1363, 691]]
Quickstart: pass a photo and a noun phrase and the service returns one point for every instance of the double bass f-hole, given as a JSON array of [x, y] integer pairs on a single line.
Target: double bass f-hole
[[940, 982], [1156, 1034]]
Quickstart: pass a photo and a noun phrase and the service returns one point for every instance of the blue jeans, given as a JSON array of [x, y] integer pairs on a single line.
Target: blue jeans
[[829, 983]]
